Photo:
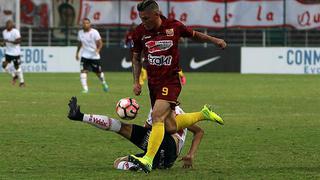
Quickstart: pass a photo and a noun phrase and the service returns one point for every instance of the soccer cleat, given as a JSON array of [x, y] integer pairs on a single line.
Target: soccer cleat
[[210, 115], [144, 164], [22, 84], [74, 110], [14, 80], [105, 87]]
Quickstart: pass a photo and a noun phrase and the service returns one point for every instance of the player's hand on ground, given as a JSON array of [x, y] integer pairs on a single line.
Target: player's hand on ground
[[137, 89], [187, 161], [221, 43]]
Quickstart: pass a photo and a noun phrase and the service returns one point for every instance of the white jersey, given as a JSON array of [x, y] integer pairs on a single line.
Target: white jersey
[[11, 48], [88, 41], [181, 135]]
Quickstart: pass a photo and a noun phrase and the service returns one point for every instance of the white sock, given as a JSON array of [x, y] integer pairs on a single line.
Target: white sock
[[10, 69], [103, 81], [20, 75], [83, 79], [102, 122]]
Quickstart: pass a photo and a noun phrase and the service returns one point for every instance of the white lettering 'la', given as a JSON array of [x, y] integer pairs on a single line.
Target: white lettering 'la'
[[159, 60]]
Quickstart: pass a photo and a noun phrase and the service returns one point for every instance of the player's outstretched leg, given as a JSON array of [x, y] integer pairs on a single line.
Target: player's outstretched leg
[[210, 115], [188, 119], [99, 121]]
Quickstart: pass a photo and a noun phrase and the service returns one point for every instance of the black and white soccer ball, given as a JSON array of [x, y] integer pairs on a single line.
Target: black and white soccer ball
[[127, 108]]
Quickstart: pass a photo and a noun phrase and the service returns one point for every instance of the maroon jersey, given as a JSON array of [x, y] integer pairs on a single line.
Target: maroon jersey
[[160, 49]]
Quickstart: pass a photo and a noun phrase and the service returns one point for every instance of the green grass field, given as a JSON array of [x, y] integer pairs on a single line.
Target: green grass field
[[272, 128]]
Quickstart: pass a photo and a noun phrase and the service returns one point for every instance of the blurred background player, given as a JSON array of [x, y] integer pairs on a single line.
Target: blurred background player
[[128, 36], [12, 40], [169, 150], [90, 44], [158, 38]]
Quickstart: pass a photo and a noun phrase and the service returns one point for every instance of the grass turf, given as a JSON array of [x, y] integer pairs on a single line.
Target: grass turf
[[271, 131]]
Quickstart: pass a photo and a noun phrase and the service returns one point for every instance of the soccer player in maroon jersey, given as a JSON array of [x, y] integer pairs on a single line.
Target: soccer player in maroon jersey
[[158, 38]]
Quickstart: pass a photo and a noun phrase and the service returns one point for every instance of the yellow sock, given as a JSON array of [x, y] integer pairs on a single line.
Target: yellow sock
[[180, 73], [155, 140], [188, 119]]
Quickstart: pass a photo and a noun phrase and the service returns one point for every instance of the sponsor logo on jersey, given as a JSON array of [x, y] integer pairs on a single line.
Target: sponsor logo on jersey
[[170, 32], [159, 60], [156, 46]]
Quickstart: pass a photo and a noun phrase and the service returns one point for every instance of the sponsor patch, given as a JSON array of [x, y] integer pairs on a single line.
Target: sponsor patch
[[159, 60], [156, 46], [170, 32]]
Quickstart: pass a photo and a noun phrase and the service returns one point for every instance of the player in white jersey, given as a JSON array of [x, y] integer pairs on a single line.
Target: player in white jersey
[[90, 44], [12, 40], [168, 152]]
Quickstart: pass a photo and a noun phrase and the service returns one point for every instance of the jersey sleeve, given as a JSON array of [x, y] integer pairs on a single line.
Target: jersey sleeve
[[97, 36], [184, 30], [136, 45], [17, 34], [79, 36]]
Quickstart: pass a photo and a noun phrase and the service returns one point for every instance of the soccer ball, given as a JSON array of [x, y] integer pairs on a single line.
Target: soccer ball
[[127, 108]]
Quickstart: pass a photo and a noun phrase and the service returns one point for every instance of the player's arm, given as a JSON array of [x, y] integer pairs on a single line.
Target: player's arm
[[78, 50], [99, 45], [199, 36], [17, 41], [197, 136], [136, 70]]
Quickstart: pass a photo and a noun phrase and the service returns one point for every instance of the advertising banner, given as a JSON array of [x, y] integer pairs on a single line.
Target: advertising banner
[[280, 60], [211, 13], [47, 59], [192, 59]]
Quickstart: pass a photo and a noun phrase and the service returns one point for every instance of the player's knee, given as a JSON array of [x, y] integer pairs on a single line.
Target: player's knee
[[4, 64], [157, 117]]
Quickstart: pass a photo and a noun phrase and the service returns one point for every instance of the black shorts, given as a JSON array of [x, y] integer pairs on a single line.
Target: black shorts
[[167, 153], [16, 60], [90, 64]]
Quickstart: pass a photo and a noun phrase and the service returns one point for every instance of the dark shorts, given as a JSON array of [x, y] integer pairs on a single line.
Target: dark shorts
[[166, 91], [90, 64], [167, 153], [16, 60]]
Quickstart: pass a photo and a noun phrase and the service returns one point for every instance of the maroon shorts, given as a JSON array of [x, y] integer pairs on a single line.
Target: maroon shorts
[[167, 91]]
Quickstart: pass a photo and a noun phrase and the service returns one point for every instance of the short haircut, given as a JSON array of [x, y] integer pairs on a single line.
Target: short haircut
[[86, 19], [148, 5]]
